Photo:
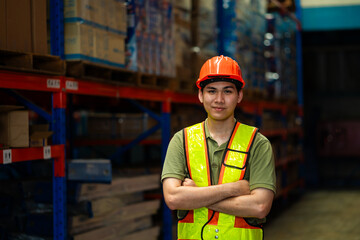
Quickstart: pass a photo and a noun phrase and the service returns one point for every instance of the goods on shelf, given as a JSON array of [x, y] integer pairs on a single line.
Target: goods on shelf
[[39, 134], [150, 39], [112, 126], [281, 78], [186, 115], [242, 34], [95, 31], [14, 127], [89, 170], [183, 45], [23, 28], [207, 29]]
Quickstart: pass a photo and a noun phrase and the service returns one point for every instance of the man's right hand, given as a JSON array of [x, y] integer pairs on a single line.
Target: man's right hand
[[188, 183], [240, 188]]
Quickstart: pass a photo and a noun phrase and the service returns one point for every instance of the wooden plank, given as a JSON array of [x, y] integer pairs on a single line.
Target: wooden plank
[[119, 186], [156, 82], [87, 70], [78, 224], [115, 231], [15, 60], [48, 64], [104, 206], [100, 73]]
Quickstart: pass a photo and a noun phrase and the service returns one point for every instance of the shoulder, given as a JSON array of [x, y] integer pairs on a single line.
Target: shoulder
[[261, 139], [261, 145]]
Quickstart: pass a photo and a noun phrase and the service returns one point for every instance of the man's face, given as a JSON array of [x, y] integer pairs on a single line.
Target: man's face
[[220, 100]]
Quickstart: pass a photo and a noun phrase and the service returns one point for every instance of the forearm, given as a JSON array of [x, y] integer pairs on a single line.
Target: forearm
[[185, 198], [257, 204], [186, 195]]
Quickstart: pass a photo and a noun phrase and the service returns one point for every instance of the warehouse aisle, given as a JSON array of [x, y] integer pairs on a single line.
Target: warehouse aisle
[[319, 215]]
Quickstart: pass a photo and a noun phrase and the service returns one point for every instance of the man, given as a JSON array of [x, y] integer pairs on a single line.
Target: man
[[219, 174]]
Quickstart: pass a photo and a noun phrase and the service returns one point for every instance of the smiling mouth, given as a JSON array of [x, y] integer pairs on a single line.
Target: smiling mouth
[[218, 108]]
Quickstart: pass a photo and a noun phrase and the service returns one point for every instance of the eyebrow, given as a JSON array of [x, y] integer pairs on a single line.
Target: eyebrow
[[226, 87]]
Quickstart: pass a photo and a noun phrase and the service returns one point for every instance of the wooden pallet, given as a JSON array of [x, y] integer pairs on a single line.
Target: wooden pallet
[[186, 86], [156, 82], [100, 72], [31, 62]]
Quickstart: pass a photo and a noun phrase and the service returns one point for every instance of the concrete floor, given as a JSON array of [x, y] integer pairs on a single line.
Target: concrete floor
[[318, 215]]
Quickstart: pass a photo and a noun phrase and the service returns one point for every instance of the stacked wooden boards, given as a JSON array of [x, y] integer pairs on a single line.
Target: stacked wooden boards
[[117, 210]]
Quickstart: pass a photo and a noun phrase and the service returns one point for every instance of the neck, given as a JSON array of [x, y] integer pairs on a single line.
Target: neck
[[221, 130]]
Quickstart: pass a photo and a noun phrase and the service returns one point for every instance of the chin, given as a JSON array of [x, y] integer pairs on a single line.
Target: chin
[[219, 118]]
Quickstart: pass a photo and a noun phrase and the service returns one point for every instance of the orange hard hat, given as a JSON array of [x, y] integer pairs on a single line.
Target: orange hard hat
[[220, 67]]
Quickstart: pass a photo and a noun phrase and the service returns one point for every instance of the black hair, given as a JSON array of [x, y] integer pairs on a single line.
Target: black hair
[[237, 83]]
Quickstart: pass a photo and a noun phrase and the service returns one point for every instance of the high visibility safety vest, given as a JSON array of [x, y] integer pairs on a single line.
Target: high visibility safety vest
[[204, 223]]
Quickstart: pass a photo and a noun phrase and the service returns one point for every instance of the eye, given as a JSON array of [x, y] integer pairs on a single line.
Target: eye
[[211, 91], [228, 91]]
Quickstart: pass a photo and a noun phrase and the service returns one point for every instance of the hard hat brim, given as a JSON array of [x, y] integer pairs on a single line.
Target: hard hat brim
[[238, 81]]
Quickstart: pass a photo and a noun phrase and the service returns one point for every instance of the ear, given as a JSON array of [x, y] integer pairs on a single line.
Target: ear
[[240, 96], [201, 96]]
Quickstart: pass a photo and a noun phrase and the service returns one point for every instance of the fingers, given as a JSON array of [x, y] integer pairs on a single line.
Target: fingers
[[188, 183]]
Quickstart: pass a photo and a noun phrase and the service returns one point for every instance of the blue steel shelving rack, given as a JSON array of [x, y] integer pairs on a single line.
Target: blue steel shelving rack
[[10, 80]]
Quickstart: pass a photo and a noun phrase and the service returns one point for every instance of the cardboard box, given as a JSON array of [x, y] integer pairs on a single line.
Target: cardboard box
[[39, 135], [23, 28], [79, 41], [99, 13], [116, 15], [101, 44], [18, 25], [39, 26], [116, 48], [78, 9], [14, 126]]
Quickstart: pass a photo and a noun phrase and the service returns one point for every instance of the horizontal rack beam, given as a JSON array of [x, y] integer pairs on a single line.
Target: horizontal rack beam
[[8, 156]]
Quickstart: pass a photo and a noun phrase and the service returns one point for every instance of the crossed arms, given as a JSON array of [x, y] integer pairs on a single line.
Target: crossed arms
[[231, 198]]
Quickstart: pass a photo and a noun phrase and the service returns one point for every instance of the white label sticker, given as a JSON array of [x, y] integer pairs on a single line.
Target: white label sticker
[[53, 83], [7, 156], [47, 152], [72, 85]]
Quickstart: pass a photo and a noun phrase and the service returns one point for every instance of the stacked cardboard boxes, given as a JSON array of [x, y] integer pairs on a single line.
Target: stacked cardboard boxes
[[243, 30], [23, 26], [183, 45], [150, 38], [207, 26], [95, 31]]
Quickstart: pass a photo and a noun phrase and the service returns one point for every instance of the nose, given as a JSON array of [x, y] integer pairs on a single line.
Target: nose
[[219, 97]]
